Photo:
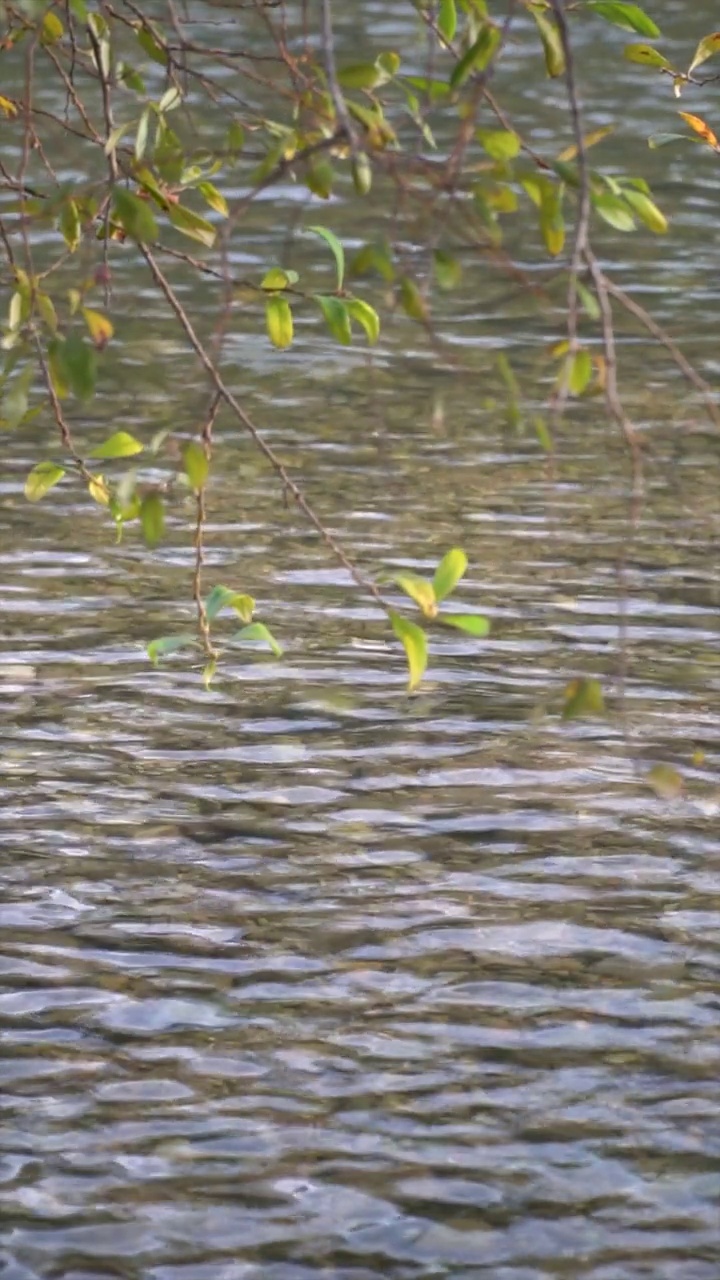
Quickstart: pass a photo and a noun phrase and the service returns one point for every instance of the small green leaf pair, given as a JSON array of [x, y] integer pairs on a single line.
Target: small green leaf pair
[[428, 596], [218, 599]]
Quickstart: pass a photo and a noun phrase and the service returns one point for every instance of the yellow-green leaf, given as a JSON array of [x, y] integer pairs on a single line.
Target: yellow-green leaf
[[577, 372], [665, 781], [70, 224], [225, 598], [707, 48], [337, 251], [195, 464], [279, 320], [41, 479], [645, 55], [551, 42], [500, 144], [419, 590], [52, 29], [134, 215], [447, 19], [628, 16], [447, 269], [165, 645], [646, 210], [362, 173], [46, 307], [101, 329], [412, 301], [414, 642], [98, 490], [152, 518], [213, 198], [148, 42], [276, 278], [477, 57], [450, 570], [366, 316], [192, 225], [337, 317], [258, 633], [473, 624], [583, 697], [119, 445]]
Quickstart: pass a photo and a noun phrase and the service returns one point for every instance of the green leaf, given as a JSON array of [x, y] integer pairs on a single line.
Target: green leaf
[[279, 321], [414, 642], [135, 216], [373, 257], [472, 623], [366, 316], [552, 223], [500, 144], [152, 518], [707, 48], [645, 55], [583, 697], [448, 272], [235, 136], [337, 251], [628, 16], [192, 225], [412, 301], [614, 211], [224, 598], [320, 177], [165, 645], [447, 19], [70, 224], [477, 56], [646, 210], [663, 139], [209, 671], [258, 632], [195, 464], [119, 445], [147, 41], [551, 42], [450, 570], [337, 317], [14, 406], [41, 479], [77, 362], [588, 300], [361, 75], [419, 590]]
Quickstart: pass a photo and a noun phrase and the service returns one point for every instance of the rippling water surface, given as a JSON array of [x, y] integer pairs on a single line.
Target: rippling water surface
[[301, 978]]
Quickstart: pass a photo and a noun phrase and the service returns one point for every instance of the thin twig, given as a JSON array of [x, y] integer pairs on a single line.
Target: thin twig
[[289, 485]]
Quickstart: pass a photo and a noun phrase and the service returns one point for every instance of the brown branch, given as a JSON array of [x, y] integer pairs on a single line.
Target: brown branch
[[199, 537], [663, 337]]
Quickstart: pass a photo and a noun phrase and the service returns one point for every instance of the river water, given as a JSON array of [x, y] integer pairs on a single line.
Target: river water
[[305, 978]]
